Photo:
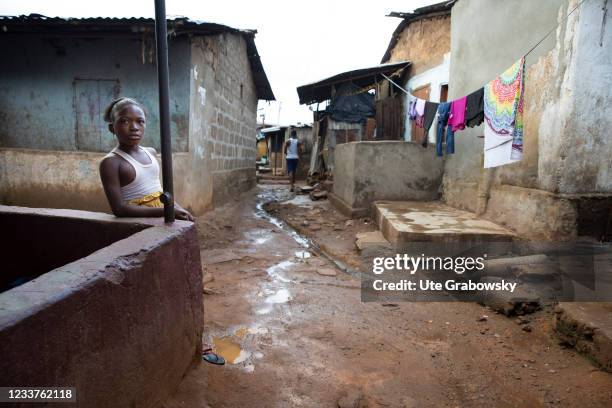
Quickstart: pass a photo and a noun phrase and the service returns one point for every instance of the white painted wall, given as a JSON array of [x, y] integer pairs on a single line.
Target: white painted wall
[[435, 77]]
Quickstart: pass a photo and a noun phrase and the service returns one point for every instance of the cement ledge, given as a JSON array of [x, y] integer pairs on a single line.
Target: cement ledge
[[346, 209]]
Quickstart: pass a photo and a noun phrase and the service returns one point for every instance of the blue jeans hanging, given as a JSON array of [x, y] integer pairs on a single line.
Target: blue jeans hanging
[[443, 114]]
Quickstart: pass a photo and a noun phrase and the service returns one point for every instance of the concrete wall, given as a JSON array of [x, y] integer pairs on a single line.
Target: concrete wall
[[61, 179], [47, 81], [567, 112], [122, 325], [219, 101], [383, 170]]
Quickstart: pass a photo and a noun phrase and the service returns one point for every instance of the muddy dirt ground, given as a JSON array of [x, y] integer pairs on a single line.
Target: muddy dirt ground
[[295, 333]]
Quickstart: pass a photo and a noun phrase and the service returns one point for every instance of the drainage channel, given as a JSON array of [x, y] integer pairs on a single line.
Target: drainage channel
[[303, 241]]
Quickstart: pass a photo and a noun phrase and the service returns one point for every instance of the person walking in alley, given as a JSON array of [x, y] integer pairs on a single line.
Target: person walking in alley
[[292, 150], [130, 173]]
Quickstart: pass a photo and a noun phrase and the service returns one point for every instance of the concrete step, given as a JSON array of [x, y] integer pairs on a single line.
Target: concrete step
[[365, 240], [271, 177], [588, 328], [402, 222]]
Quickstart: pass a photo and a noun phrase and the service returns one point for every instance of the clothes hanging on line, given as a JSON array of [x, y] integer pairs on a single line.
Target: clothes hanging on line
[[412, 108], [456, 118], [474, 109], [431, 108], [503, 109], [443, 114], [419, 107]]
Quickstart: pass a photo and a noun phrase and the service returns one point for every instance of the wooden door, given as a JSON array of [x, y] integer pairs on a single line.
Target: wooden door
[[418, 134], [389, 119], [91, 96]]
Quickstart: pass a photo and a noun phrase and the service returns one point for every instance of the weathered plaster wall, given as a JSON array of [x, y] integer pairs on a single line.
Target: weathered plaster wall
[[218, 165], [41, 75], [424, 43], [384, 170], [575, 145], [567, 111], [122, 325], [60, 179]]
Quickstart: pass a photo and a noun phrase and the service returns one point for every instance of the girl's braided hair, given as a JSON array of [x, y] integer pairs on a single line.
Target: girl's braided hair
[[117, 105]]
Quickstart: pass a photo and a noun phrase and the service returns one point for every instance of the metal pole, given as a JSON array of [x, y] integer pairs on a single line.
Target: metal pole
[[390, 80], [161, 37]]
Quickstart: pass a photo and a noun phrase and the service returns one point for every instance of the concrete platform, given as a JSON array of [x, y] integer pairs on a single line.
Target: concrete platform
[[431, 221], [588, 328]]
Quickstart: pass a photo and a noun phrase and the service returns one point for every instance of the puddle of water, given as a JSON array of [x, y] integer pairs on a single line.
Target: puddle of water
[[302, 254], [258, 330], [281, 296], [228, 348], [263, 311], [261, 213], [274, 271], [241, 332]]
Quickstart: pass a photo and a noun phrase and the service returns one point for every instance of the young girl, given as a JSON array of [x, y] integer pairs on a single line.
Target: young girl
[[130, 173]]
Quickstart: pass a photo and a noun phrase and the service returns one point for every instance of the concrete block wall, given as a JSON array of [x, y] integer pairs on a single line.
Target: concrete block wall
[[232, 130]]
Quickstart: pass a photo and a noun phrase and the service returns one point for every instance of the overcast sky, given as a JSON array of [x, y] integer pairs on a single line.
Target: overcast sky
[[299, 41]]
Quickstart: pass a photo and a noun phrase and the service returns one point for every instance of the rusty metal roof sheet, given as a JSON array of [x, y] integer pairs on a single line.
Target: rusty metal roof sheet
[[321, 90]]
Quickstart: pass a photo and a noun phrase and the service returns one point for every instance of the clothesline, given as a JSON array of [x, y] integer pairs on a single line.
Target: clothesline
[[524, 55], [499, 104]]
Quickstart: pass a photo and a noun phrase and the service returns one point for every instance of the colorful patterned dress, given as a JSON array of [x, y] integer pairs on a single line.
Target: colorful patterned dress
[[503, 113]]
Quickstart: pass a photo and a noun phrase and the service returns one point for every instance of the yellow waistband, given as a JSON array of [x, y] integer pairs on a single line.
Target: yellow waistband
[[150, 200]]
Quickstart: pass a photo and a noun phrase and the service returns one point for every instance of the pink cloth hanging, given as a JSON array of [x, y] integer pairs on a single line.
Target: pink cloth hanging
[[456, 120]]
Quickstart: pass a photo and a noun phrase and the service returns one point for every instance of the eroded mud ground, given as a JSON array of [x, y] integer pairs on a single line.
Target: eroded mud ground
[[296, 334]]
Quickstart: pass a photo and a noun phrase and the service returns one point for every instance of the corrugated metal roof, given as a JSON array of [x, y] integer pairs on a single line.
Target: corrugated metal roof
[[321, 90], [37, 23]]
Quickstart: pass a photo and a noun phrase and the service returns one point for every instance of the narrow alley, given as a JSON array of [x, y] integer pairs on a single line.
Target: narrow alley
[[294, 332], [334, 204]]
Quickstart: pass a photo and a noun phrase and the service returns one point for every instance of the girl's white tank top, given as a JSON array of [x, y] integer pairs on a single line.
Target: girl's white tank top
[[147, 176]]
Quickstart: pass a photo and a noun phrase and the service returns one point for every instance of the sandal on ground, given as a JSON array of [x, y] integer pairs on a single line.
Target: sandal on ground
[[213, 358], [210, 357]]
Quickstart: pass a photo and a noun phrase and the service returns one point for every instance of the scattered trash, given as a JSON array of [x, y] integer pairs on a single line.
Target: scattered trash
[[209, 291], [483, 318], [317, 195]]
